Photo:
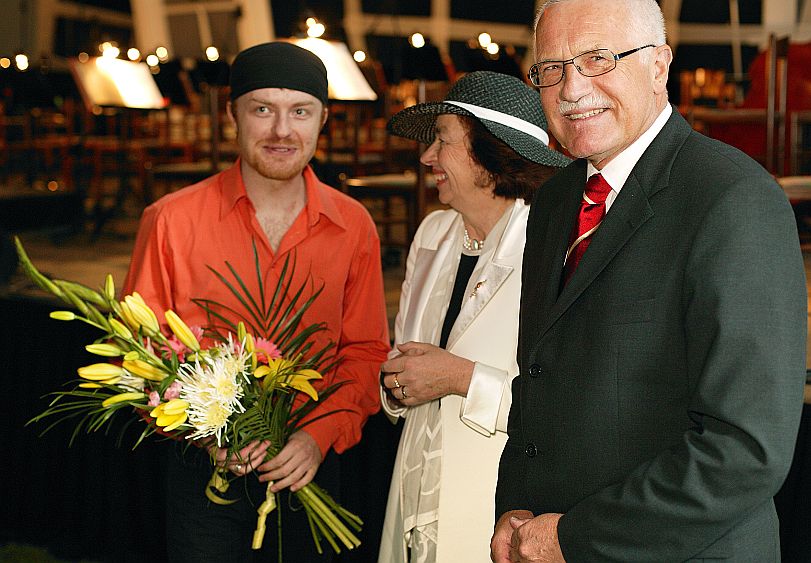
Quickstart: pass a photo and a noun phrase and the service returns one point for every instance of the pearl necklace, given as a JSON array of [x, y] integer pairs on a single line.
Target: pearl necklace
[[471, 243]]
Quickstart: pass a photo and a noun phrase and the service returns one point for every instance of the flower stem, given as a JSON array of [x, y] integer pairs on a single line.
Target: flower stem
[[319, 522], [346, 536]]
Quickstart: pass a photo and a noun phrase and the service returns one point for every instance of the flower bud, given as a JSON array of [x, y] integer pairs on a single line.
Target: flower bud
[[121, 398], [63, 315], [99, 372], [109, 350]]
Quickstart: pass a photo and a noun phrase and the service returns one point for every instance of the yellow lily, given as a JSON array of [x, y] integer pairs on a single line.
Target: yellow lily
[[109, 350], [90, 386], [301, 383], [99, 372], [276, 368], [120, 329], [132, 355], [141, 312], [109, 287], [169, 421], [143, 369], [63, 315], [250, 347], [181, 330], [175, 406], [121, 398], [179, 419], [299, 380], [129, 318], [309, 374]]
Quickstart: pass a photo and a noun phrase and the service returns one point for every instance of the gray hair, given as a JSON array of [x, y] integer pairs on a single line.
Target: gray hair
[[645, 16]]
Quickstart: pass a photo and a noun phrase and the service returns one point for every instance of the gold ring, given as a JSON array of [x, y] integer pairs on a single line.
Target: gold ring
[[404, 393], [396, 383]]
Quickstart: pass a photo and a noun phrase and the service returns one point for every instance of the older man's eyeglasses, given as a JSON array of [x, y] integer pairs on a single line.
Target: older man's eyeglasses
[[591, 63]]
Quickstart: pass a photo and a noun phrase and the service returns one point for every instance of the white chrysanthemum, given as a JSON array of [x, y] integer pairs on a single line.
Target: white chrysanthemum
[[213, 387], [131, 382]]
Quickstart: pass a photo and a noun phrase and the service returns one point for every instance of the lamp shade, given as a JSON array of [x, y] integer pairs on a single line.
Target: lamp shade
[[345, 79]]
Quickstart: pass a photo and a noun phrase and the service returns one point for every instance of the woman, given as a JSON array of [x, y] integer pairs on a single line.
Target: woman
[[457, 329]]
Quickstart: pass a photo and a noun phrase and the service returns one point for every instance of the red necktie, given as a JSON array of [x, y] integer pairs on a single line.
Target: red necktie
[[592, 211]]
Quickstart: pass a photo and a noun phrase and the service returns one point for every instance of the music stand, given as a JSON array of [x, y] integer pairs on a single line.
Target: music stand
[[125, 86], [108, 82], [209, 77]]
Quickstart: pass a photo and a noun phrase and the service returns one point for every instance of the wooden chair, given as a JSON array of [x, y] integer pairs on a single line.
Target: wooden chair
[[15, 142], [776, 95], [393, 200], [800, 143], [705, 87]]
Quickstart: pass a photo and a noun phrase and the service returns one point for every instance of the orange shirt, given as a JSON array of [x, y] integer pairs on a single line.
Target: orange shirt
[[334, 239]]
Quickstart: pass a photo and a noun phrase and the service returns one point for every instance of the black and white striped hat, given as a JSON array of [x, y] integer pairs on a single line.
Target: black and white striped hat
[[505, 105]]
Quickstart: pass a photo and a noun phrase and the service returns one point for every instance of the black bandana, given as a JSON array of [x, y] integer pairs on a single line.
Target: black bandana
[[278, 65]]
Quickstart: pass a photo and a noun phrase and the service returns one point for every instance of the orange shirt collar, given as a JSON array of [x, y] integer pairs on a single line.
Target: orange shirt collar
[[233, 190]]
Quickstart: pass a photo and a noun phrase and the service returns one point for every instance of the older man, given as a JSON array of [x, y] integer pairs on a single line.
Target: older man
[[663, 319], [273, 199]]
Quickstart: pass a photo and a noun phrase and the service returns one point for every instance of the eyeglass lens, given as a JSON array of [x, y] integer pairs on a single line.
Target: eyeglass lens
[[590, 63]]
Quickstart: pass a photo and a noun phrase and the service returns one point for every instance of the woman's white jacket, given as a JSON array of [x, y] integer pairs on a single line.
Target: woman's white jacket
[[473, 428]]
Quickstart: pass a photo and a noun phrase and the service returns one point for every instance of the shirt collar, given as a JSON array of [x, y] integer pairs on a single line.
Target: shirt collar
[[319, 203], [232, 188], [617, 171]]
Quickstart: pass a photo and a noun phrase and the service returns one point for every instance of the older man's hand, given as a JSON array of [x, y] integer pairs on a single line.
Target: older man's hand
[[535, 539], [502, 535]]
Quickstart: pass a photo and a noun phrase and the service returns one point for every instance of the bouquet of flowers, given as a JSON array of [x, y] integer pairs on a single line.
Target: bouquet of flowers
[[252, 383]]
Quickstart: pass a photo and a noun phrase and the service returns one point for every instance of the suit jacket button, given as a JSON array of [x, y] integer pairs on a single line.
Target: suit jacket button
[[534, 370], [531, 450]]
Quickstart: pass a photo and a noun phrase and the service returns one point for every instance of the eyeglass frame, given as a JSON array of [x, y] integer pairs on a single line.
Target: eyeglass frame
[[615, 56]]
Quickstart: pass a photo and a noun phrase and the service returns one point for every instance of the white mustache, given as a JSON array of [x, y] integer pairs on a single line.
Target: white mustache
[[585, 103]]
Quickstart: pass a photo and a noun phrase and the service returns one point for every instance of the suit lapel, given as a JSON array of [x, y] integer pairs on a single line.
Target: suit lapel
[[559, 229], [630, 211], [551, 219]]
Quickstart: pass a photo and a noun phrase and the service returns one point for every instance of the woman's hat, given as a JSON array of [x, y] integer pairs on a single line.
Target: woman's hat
[[507, 107]]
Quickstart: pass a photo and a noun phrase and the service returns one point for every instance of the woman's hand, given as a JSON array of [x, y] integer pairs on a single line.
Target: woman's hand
[[424, 372]]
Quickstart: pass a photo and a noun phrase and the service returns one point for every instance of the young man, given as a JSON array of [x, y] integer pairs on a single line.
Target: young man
[[270, 198], [663, 319]]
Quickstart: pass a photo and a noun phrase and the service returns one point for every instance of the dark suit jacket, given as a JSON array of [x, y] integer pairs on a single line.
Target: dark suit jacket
[[660, 391]]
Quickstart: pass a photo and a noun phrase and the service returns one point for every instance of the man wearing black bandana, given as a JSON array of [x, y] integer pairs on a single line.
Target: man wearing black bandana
[[271, 198]]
